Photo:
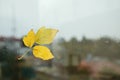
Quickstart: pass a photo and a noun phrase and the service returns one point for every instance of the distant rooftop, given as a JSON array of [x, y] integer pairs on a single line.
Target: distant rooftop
[[9, 38]]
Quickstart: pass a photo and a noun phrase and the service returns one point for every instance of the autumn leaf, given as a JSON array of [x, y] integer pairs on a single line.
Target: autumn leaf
[[42, 52], [29, 39], [43, 36]]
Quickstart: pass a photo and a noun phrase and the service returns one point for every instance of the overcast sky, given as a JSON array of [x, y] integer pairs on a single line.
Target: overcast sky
[[90, 18]]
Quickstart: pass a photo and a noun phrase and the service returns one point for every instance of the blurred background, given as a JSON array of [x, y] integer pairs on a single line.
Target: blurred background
[[87, 46]]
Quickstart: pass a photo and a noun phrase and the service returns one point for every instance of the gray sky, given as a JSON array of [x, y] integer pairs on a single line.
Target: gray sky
[[90, 18]]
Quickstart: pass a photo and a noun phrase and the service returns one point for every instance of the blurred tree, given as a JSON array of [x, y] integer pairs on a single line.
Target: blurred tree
[[75, 50], [86, 46], [9, 64], [72, 47], [103, 47], [73, 54], [107, 47]]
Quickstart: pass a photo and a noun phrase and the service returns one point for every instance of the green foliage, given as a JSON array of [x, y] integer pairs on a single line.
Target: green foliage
[[103, 47], [109, 71]]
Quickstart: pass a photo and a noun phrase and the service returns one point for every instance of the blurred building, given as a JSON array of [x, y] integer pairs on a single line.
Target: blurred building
[[13, 44], [10, 43]]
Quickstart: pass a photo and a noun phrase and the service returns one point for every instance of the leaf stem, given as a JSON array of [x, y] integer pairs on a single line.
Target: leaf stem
[[24, 54]]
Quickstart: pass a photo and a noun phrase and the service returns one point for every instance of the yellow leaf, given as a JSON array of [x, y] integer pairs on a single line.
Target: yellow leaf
[[29, 39], [42, 52], [45, 35]]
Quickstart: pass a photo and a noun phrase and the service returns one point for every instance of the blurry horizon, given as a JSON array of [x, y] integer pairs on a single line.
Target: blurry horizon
[[73, 18]]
